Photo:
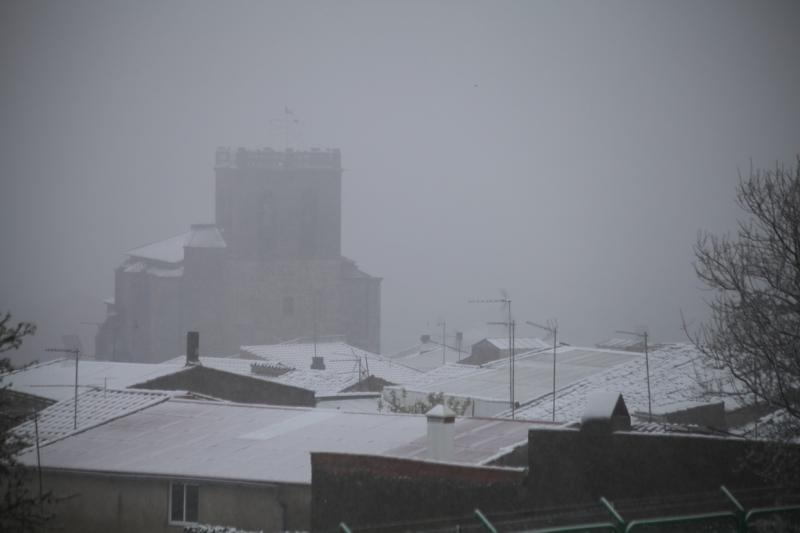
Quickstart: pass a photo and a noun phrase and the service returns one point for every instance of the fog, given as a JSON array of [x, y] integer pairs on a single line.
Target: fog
[[567, 153]]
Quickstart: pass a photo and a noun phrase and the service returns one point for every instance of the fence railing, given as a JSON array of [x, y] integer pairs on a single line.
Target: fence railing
[[738, 519]]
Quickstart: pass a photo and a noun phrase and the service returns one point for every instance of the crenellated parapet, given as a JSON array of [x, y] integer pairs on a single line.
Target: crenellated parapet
[[267, 158]]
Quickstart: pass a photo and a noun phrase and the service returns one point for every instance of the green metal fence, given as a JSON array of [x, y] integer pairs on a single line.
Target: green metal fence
[[736, 520]]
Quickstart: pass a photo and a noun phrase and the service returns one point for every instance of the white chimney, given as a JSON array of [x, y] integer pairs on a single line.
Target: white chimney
[[441, 433]]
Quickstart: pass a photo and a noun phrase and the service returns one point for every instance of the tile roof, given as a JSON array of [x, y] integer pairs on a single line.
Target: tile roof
[[56, 379], [673, 378], [94, 407]]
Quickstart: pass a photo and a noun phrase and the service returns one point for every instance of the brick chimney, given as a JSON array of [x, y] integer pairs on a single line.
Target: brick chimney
[[192, 348], [441, 433]]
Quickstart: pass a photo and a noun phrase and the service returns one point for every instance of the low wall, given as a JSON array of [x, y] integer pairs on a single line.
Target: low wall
[[370, 493], [569, 465], [478, 406]]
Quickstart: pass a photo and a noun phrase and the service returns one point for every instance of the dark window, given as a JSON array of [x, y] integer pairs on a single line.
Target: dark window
[[184, 502], [176, 503], [288, 306], [192, 496]]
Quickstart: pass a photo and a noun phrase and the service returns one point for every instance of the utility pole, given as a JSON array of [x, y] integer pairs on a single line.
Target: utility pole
[[552, 328], [77, 353], [647, 369]]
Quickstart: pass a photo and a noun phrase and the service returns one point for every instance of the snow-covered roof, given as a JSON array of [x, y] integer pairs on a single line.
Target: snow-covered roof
[[322, 382], [521, 344], [533, 374], [340, 359], [672, 379], [134, 265], [205, 236], [603, 405], [167, 251], [428, 355], [94, 407], [622, 344], [171, 250], [356, 403], [259, 443], [56, 379]]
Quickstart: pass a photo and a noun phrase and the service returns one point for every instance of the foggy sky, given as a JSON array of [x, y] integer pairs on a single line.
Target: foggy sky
[[567, 152]]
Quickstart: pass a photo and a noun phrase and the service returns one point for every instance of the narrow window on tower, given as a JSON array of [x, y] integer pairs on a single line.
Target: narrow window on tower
[[308, 223], [266, 223]]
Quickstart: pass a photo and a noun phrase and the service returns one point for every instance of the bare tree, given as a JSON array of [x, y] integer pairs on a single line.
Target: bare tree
[[753, 336], [20, 508]]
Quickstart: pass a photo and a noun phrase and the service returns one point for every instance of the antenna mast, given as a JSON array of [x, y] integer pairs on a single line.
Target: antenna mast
[[511, 327]]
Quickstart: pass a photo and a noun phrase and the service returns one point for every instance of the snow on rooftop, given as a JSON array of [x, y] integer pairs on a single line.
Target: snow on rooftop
[[429, 355], [533, 374], [356, 403], [171, 250], [521, 344], [622, 344], [258, 443], [340, 359], [345, 365], [600, 405], [205, 236], [672, 379], [135, 266], [94, 407], [167, 251], [56, 379], [322, 382]]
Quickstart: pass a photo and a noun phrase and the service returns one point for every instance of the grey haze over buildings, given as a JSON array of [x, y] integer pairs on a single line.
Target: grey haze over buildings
[[567, 152]]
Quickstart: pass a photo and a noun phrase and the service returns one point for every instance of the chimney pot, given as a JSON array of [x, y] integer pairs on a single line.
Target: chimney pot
[[192, 348], [441, 433]]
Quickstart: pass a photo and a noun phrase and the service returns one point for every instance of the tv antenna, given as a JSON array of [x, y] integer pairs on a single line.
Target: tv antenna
[[509, 323], [643, 336], [552, 329], [72, 346]]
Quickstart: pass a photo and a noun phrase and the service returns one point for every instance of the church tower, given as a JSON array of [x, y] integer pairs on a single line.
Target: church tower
[[280, 205], [269, 270]]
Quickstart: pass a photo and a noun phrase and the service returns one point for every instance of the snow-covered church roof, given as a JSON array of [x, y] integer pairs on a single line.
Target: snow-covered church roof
[[171, 250]]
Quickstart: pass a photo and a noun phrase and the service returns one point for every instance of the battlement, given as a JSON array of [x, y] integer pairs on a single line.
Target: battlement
[[267, 158]]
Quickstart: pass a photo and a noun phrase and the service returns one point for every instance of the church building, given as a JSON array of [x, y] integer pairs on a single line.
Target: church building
[[269, 270]]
